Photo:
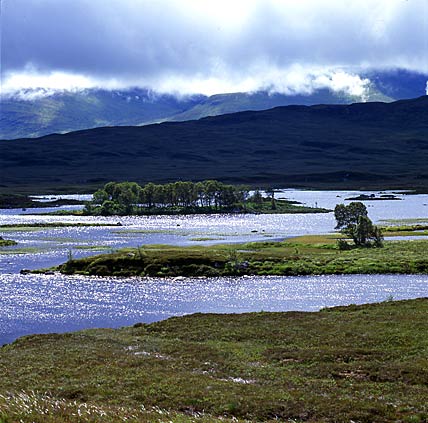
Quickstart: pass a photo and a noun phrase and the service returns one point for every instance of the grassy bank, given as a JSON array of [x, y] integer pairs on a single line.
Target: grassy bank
[[358, 363], [297, 256]]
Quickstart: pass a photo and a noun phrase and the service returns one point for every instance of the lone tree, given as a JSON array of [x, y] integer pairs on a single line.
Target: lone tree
[[353, 221]]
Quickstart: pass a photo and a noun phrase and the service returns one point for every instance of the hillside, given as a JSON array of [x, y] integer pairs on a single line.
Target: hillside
[[70, 111], [359, 145], [231, 103]]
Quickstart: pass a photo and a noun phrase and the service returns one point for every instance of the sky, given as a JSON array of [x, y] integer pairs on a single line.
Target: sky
[[208, 46]]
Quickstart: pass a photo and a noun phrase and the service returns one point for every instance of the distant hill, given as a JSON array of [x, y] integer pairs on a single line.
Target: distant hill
[[71, 111], [354, 146], [231, 103], [399, 83]]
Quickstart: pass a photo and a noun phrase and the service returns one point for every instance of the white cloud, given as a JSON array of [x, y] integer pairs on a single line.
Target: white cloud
[[296, 79], [209, 46]]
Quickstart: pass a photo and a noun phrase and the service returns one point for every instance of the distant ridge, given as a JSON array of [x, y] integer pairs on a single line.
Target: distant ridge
[[359, 145], [70, 111]]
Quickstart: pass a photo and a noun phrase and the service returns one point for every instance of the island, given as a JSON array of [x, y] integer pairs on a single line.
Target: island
[[186, 197], [6, 242]]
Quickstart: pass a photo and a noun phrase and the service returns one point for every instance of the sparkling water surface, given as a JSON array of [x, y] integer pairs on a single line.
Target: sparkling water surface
[[58, 303], [46, 303]]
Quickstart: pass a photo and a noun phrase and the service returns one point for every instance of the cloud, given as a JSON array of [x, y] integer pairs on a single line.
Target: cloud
[[209, 46]]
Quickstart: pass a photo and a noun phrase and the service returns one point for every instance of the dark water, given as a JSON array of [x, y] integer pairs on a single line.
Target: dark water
[[58, 303]]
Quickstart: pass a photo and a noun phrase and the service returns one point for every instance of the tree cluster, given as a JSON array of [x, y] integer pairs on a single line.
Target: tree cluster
[[122, 198], [353, 221]]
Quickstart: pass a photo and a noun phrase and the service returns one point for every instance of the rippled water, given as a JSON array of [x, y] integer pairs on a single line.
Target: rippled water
[[41, 303], [45, 247], [57, 303]]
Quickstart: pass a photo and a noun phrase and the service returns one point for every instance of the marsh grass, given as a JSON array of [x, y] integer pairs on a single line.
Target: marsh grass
[[364, 363]]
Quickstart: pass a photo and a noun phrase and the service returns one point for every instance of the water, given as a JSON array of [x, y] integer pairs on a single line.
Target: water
[[45, 247], [407, 207], [42, 303], [58, 303]]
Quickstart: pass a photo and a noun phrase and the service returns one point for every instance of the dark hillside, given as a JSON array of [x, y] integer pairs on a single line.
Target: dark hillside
[[358, 145]]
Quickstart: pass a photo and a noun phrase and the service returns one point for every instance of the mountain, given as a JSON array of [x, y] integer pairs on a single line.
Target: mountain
[[382, 145], [399, 83], [231, 103], [71, 111]]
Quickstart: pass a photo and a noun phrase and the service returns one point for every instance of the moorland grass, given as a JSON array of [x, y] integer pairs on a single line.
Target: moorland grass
[[365, 363]]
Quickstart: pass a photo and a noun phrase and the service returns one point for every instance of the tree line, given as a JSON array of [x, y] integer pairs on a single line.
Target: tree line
[[121, 198]]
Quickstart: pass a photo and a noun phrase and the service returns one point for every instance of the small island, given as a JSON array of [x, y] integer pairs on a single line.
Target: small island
[[372, 197], [6, 242], [185, 197]]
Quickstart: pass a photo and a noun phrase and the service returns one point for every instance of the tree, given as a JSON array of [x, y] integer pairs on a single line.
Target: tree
[[349, 215], [353, 221]]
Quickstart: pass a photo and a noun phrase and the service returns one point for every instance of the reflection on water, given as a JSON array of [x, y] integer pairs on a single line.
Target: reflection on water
[[58, 303]]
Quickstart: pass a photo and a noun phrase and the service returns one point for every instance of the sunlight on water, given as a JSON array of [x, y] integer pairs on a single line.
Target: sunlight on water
[[58, 303], [32, 303]]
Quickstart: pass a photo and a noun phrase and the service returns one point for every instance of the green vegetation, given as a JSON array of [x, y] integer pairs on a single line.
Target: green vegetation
[[324, 146], [363, 363], [354, 222], [129, 198], [6, 242], [308, 255]]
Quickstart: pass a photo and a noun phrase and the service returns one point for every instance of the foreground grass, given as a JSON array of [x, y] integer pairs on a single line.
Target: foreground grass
[[359, 363], [298, 256]]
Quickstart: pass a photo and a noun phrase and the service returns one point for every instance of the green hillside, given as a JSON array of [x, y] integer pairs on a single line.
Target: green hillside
[[360, 145]]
